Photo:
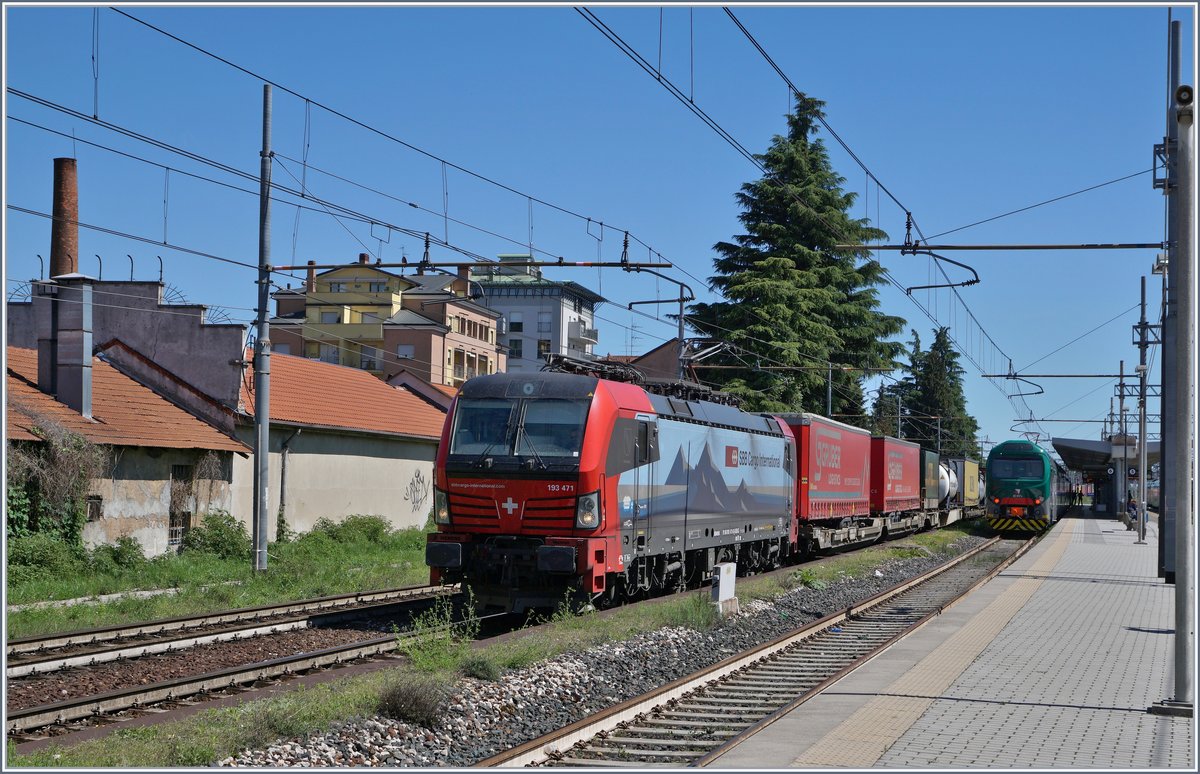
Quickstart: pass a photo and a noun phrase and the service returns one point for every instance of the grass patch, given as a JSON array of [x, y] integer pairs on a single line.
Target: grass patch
[[409, 692], [360, 554]]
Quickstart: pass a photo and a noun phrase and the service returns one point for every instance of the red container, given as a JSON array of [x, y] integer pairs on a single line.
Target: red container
[[895, 475], [833, 467]]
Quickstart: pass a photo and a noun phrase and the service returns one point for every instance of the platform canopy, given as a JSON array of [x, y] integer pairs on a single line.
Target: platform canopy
[[1098, 456]]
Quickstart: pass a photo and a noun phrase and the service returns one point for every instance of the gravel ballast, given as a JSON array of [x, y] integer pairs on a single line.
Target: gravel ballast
[[482, 718]]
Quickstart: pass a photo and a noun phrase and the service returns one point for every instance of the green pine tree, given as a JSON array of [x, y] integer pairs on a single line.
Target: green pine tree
[[793, 299], [938, 379]]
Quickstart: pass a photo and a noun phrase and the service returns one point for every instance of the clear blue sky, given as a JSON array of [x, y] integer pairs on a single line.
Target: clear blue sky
[[963, 114]]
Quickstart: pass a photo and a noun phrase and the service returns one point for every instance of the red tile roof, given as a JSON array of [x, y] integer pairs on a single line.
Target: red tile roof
[[316, 394], [124, 412]]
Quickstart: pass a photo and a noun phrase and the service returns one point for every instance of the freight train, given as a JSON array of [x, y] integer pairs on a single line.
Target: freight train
[[552, 484], [1026, 490]]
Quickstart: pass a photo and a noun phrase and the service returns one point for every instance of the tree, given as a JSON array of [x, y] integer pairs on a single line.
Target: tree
[[897, 398], [793, 299], [934, 408]]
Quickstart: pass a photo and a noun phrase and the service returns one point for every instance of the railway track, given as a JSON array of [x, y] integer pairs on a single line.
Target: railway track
[[692, 720], [49, 653], [139, 696]]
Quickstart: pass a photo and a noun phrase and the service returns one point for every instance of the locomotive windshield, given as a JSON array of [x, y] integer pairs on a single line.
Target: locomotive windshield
[[1020, 467], [545, 430]]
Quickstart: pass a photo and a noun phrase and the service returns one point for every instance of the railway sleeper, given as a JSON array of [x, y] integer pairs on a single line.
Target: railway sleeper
[[597, 763], [619, 741], [697, 729], [673, 754], [716, 715]]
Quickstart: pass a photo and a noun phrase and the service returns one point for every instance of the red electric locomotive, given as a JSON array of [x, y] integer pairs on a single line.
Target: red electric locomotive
[[553, 484], [556, 483]]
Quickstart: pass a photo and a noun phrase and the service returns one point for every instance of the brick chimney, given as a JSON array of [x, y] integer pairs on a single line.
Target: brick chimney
[[310, 282], [63, 311], [64, 232], [364, 257]]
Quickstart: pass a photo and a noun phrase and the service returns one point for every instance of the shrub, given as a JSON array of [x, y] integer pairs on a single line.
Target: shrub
[[481, 668], [219, 534], [354, 529], [414, 699], [125, 553], [41, 554]]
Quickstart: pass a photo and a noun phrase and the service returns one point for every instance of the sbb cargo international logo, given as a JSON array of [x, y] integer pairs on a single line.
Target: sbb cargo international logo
[[731, 456]]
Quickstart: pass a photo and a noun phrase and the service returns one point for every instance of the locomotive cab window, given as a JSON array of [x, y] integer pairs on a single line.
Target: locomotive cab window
[[481, 425], [1031, 467], [553, 428]]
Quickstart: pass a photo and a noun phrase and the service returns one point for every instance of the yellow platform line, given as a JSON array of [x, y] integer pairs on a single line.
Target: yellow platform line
[[862, 739]]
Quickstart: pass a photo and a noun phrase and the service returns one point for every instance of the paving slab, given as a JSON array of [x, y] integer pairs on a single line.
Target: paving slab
[[1052, 664]]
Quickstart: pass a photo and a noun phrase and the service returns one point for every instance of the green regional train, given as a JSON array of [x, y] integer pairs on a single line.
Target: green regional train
[[1026, 489]]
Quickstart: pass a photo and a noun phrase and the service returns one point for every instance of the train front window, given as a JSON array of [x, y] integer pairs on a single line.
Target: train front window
[[552, 428], [481, 426], [1031, 467]]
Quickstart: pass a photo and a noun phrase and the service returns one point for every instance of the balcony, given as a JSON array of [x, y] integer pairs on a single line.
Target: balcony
[[576, 331]]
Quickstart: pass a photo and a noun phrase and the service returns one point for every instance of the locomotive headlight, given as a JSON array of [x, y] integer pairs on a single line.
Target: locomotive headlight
[[587, 511], [441, 507]]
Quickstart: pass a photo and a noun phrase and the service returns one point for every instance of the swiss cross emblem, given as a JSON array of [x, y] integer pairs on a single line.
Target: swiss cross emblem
[[510, 506]]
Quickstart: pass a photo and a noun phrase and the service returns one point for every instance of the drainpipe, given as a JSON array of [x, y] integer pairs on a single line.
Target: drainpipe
[[284, 449]]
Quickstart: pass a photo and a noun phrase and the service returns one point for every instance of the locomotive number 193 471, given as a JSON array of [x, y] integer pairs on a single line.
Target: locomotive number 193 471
[[567, 488]]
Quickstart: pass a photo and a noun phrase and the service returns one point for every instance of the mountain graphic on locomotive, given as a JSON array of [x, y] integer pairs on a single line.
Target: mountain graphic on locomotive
[[562, 482]]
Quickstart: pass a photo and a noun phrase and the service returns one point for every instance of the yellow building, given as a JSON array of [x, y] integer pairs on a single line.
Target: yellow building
[[362, 316]]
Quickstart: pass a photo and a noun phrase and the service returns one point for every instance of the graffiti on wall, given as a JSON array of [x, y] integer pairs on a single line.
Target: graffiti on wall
[[417, 493]]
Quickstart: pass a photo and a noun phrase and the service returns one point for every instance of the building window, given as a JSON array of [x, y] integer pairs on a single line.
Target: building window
[[329, 353], [337, 287], [377, 287], [95, 508], [543, 322], [543, 348], [406, 351], [369, 359], [331, 317], [515, 323], [578, 305], [515, 346], [282, 349], [181, 522], [180, 512]]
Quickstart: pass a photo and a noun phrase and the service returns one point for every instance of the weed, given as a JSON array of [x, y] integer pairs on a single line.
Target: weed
[[413, 698], [697, 611], [809, 580], [436, 642], [481, 668]]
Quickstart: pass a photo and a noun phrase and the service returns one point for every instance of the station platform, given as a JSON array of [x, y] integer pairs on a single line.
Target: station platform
[[1051, 664]]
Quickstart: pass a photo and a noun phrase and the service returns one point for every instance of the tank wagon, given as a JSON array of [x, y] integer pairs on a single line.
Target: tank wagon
[[549, 484], [1026, 489]]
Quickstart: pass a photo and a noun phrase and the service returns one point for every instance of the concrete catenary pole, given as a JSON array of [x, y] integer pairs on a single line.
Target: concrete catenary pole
[[1184, 271], [1142, 442], [829, 393], [262, 347], [1167, 467]]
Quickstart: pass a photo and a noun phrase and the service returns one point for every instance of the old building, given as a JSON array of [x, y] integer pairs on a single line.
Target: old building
[[165, 468], [342, 443], [364, 317], [543, 317]]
